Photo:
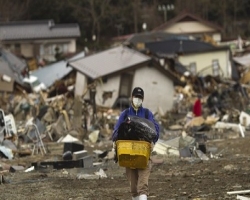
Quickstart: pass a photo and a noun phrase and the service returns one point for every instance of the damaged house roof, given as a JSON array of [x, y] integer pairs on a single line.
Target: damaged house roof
[[21, 30], [12, 66], [56, 71], [177, 46], [243, 60], [107, 62], [153, 37], [185, 16], [163, 49]]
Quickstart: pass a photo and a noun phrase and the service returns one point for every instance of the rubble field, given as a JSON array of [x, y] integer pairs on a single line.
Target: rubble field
[[60, 148], [174, 179]]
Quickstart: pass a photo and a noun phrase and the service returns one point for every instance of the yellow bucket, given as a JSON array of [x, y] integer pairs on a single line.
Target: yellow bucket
[[133, 154]]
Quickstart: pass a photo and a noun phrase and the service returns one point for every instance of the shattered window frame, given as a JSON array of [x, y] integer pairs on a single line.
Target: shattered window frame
[[216, 67], [192, 67], [126, 80], [104, 79]]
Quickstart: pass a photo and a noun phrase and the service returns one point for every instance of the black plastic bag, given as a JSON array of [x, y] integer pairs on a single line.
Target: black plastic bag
[[137, 128]]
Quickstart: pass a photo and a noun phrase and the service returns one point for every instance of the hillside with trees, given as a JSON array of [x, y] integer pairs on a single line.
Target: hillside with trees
[[106, 19]]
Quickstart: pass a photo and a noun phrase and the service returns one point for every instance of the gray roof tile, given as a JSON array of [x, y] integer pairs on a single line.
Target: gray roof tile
[[174, 46], [153, 36], [109, 61], [37, 30]]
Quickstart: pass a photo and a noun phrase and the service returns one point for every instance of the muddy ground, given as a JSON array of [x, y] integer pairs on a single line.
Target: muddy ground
[[175, 179]]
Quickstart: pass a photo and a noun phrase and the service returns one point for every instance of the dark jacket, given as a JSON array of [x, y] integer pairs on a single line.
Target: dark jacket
[[132, 112]]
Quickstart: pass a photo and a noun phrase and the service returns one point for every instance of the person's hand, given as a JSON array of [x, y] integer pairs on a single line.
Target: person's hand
[[114, 145], [115, 152]]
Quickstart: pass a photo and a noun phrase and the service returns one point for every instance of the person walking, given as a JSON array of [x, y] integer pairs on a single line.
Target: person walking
[[138, 178]]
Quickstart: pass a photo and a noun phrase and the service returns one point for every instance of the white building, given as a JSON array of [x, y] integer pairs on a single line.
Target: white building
[[118, 70]]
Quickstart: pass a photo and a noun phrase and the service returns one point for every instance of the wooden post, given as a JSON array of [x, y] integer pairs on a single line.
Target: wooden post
[[77, 112]]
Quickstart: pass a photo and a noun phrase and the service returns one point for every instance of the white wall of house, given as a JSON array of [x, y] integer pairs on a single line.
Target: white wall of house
[[193, 27], [204, 60], [65, 46], [112, 84], [27, 50], [72, 46], [189, 27], [47, 47], [216, 37], [81, 84], [158, 89]]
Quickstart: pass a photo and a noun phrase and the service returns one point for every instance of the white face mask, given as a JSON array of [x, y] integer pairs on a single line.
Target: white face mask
[[137, 102]]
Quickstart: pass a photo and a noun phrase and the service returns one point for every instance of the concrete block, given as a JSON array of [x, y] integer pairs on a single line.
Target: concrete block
[[201, 155], [88, 161], [185, 152], [15, 168], [85, 162], [73, 147], [79, 154], [88, 176]]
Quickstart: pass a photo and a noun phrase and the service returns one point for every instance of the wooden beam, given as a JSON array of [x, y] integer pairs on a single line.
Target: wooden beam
[[239, 192], [62, 164], [242, 197]]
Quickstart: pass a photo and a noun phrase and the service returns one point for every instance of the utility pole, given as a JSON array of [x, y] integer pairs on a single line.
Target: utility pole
[[165, 9]]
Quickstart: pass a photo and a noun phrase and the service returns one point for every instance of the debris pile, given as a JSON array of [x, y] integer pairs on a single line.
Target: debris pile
[[68, 132]]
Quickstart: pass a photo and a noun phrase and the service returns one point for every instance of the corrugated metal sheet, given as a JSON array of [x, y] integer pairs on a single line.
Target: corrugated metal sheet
[[37, 30], [243, 60], [154, 36], [56, 71], [12, 66], [16, 63], [177, 46], [183, 46], [109, 61]]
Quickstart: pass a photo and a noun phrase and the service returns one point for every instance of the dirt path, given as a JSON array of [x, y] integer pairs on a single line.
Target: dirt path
[[175, 179]]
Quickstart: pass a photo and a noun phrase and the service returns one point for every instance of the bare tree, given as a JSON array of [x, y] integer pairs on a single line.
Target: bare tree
[[93, 10], [13, 10], [136, 4]]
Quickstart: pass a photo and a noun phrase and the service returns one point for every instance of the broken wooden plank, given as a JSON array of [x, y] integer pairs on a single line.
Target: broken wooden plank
[[61, 164], [242, 197], [239, 192], [66, 118]]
